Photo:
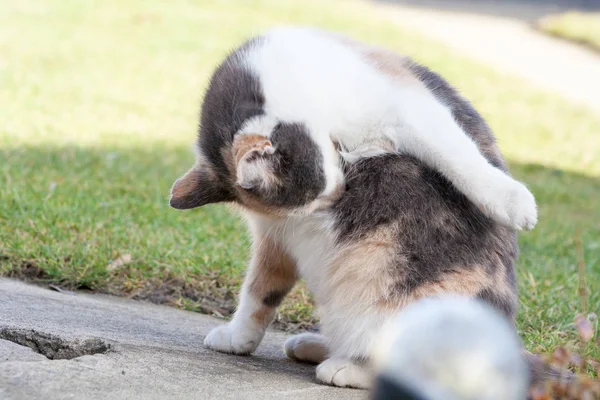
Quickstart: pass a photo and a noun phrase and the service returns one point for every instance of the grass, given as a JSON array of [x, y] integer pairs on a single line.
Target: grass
[[98, 111], [583, 28]]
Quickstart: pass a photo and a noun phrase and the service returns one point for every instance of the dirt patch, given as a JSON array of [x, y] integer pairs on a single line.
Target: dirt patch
[[209, 293], [213, 294], [54, 347], [586, 44], [27, 270]]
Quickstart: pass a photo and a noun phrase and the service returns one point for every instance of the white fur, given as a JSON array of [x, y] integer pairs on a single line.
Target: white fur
[[350, 331], [309, 77], [344, 373], [257, 172], [363, 152], [242, 335], [453, 348], [308, 347], [309, 240], [262, 125]]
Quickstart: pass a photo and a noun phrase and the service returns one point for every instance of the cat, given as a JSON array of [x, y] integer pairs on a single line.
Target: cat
[[369, 228], [365, 102]]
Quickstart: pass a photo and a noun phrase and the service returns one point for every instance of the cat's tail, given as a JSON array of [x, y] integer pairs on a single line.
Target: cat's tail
[[453, 348]]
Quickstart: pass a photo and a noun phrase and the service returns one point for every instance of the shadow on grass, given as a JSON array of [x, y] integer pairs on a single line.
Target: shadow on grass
[[67, 213]]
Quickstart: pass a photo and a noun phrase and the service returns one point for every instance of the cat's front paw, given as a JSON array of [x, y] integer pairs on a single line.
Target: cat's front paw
[[233, 340], [344, 373], [511, 204]]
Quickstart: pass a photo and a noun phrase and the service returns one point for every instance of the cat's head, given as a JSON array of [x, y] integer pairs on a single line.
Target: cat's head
[[250, 158], [269, 167]]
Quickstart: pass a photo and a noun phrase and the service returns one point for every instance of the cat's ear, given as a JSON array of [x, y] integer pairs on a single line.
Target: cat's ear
[[196, 189], [256, 162]]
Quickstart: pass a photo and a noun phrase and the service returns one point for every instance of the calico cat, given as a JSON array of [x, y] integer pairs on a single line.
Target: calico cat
[[356, 101], [329, 197]]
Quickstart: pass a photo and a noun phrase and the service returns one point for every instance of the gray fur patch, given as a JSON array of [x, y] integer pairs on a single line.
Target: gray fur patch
[[437, 228]]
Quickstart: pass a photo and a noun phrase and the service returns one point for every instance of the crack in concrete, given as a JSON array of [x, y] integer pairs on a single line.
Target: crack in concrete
[[52, 346]]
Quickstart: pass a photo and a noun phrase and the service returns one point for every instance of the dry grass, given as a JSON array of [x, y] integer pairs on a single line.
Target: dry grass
[[582, 28]]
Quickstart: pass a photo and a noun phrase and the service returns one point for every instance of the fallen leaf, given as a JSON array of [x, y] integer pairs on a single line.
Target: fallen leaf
[[587, 395], [560, 356], [61, 290], [576, 360], [119, 262], [539, 393], [51, 189]]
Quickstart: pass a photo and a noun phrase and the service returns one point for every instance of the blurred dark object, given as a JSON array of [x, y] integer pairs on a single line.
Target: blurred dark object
[[520, 9], [388, 389]]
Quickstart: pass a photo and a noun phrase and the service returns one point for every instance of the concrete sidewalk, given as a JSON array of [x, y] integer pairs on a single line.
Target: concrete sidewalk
[[141, 351], [510, 46]]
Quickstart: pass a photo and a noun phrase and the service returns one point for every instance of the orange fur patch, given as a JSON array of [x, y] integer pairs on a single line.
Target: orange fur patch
[[462, 281], [360, 273], [366, 274], [387, 62], [242, 144], [263, 316], [394, 66], [271, 271]]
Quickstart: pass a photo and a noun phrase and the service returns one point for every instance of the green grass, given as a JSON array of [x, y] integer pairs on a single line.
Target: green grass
[[583, 28], [98, 112]]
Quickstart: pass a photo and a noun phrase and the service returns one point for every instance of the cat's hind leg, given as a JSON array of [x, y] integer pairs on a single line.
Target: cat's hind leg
[[307, 347], [345, 372], [351, 337]]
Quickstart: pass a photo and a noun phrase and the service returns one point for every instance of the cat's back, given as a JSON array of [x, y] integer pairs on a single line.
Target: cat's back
[[431, 238], [312, 76]]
